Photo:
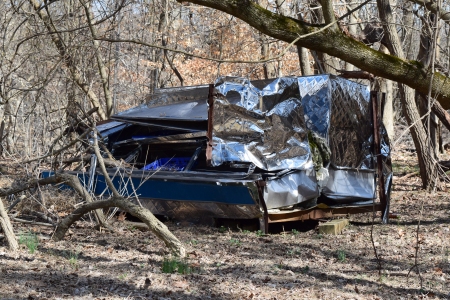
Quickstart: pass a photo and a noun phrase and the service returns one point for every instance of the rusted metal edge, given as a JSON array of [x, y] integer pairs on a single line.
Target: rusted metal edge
[[320, 213], [261, 184], [377, 152], [210, 124]]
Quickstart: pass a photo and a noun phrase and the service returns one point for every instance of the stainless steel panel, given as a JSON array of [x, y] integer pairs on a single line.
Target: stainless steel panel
[[291, 189]]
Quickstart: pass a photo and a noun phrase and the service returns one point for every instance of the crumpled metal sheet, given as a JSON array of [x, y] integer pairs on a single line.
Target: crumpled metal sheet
[[265, 127], [269, 126], [291, 189], [350, 132]]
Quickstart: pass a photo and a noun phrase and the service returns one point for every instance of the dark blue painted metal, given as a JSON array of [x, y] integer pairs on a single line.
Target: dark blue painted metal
[[233, 193], [230, 193]]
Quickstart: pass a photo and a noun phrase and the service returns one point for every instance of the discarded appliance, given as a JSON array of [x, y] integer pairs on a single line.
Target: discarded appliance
[[291, 148]]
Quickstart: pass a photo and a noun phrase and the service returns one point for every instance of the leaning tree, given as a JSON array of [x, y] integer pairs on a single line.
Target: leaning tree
[[329, 38]]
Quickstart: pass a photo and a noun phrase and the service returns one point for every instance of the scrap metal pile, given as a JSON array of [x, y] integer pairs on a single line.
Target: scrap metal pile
[[242, 148]]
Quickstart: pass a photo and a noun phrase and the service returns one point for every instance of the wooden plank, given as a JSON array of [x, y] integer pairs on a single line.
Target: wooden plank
[[320, 213]]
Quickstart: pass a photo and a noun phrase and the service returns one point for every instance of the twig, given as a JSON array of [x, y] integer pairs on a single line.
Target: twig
[[61, 149], [15, 203], [330, 25], [33, 222], [409, 175]]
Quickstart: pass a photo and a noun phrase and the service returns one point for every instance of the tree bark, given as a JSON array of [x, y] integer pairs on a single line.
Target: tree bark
[[5, 224], [427, 161], [98, 56]]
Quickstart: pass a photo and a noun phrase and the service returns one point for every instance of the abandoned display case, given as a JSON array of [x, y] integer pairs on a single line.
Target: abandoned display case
[[291, 148]]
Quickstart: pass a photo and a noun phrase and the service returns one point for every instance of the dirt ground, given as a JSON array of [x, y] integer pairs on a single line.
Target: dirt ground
[[226, 263]]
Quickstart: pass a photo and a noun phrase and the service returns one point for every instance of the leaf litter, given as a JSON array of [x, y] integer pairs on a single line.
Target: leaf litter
[[241, 264]]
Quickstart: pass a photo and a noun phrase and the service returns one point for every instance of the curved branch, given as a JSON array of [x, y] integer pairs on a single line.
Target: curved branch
[[158, 228], [337, 44], [433, 7]]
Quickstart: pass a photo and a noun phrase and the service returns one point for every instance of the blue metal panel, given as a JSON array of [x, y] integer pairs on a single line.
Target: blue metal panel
[[83, 177], [236, 193]]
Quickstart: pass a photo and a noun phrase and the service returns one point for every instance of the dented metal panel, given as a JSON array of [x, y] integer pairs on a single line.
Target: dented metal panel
[[269, 126], [291, 189]]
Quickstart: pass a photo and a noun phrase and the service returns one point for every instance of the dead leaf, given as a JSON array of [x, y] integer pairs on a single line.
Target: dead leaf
[[122, 216], [438, 270], [180, 284]]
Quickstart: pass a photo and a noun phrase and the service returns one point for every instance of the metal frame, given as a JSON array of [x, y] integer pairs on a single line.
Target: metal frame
[[320, 213]]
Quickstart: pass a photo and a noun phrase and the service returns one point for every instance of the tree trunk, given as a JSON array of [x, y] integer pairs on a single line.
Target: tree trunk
[[337, 44], [303, 53], [425, 57], [98, 56], [427, 160], [5, 224], [330, 64], [352, 28], [268, 67], [388, 108]]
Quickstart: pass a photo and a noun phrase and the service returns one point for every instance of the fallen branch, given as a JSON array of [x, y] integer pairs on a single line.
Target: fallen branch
[[158, 228], [70, 180], [409, 175], [5, 224], [355, 74], [33, 222], [17, 201], [108, 162]]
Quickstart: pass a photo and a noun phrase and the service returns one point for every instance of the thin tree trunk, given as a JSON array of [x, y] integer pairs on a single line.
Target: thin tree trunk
[[352, 27], [388, 108], [61, 47], [98, 56], [427, 161], [5, 224], [303, 53], [325, 15], [430, 123]]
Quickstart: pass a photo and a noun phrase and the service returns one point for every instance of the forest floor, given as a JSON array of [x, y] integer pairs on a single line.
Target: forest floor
[[293, 262]]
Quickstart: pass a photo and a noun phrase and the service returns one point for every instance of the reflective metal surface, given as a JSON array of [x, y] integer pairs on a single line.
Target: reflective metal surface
[[291, 189], [269, 126], [349, 184]]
